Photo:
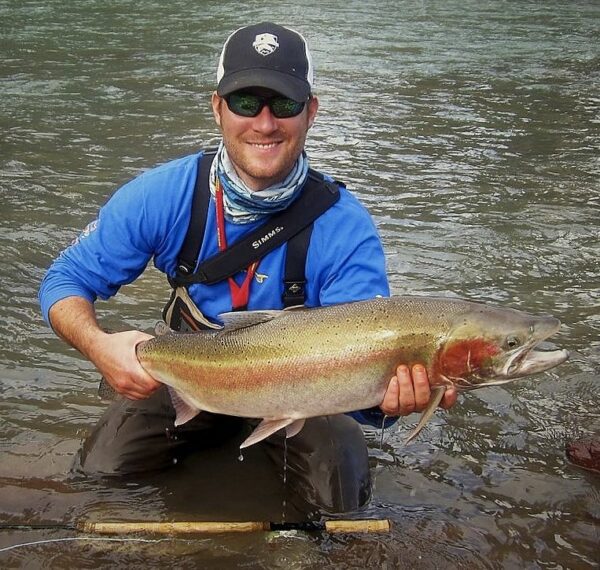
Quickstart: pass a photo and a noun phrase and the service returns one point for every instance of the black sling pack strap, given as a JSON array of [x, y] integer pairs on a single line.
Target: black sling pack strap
[[190, 249], [294, 281], [317, 196]]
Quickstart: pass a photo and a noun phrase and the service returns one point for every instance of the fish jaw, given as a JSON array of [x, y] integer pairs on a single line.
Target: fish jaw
[[529, 359], [537, 361]]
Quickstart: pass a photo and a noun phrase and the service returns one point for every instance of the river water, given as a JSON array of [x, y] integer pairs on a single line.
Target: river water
[[471, 132]]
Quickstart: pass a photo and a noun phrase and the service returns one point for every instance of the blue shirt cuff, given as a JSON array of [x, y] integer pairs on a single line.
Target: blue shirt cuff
[[373, 417]]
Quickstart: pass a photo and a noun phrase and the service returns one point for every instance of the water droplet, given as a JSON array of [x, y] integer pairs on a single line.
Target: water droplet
[[284, 503], [241, 457]]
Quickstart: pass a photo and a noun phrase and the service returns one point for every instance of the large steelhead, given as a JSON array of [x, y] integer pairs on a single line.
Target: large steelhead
[[285, 366]]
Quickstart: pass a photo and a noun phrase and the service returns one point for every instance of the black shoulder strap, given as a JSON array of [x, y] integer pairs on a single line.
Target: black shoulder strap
[[195, 232], [317, 196], [294, 280]]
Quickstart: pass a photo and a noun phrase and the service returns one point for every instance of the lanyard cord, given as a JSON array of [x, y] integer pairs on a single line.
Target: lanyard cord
[[239, 294]]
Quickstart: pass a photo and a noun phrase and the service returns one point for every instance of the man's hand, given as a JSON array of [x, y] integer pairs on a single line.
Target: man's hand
[[114, 356], [74, 320], [408, 393]]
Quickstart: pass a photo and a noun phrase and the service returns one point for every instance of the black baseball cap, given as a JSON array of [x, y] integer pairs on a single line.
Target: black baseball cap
[[266, 55]]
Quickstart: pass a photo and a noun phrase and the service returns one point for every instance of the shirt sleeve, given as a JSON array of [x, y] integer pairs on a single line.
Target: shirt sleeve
[[373, 417], [109, 252], [142, 219]]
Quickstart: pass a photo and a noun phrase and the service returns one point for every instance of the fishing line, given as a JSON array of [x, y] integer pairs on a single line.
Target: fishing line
[[72, 538]]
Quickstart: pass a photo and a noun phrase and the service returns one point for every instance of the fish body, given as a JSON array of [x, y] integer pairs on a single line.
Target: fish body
[[285, 366]]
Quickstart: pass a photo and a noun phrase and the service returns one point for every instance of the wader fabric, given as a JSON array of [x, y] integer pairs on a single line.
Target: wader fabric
[[327, 462]]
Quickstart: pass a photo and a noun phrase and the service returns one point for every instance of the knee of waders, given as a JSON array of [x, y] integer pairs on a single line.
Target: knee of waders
[[327, 465]]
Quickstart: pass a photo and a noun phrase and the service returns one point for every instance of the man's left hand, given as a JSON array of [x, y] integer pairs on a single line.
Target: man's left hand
[[409, 391]]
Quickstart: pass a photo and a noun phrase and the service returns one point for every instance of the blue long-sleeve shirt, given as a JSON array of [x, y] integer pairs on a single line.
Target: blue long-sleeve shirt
[[147, 219]]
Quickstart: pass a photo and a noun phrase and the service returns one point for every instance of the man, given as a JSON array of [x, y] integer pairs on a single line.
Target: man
[[264, 105]]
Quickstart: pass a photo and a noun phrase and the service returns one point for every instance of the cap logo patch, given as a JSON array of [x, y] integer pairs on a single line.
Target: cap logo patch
[[265, 44]]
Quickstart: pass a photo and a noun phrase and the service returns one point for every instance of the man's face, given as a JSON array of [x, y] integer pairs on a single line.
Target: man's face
[[263, 149]]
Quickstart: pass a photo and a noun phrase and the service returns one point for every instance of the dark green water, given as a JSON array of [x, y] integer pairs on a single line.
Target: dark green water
[[469, 129]]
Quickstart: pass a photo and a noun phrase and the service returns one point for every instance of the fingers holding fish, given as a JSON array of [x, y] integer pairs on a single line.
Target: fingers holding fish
[[133, 387], [420, 385], [450, 397], [408, 391], [389, 405], [115, 357]]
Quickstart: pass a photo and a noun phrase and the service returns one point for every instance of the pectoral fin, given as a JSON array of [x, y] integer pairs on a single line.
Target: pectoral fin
[[106, 392], [437, 394], [269, 427]]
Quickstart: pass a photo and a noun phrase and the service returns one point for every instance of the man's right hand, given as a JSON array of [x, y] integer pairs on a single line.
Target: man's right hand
[[74, 320], [114, 356]]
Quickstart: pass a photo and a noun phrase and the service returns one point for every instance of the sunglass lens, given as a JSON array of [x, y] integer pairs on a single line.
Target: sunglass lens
[[244, 104], [282, 107], [250, 105]]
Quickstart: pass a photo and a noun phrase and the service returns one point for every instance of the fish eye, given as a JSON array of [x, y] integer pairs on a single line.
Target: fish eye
[[512, 341]]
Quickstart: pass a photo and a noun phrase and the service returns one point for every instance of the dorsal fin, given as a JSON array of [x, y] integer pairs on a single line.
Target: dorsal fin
[[161, 328], [243, 319]]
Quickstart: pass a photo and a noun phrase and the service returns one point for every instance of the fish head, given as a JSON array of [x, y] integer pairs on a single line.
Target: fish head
[[491, 346]]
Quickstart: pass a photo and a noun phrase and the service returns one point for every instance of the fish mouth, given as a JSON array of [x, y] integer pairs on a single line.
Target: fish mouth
[[535, 356]]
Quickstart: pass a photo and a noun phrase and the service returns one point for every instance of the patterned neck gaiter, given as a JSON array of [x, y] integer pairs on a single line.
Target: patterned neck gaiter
[[243, 205]]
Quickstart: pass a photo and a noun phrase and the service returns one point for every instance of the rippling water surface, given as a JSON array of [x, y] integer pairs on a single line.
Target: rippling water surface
[[471, 132]]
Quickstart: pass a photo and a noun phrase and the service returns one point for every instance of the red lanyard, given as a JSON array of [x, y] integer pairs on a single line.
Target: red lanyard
[[239, 294]]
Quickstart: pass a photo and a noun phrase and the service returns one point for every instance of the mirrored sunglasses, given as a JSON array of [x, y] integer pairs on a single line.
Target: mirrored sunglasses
[[250, 105]]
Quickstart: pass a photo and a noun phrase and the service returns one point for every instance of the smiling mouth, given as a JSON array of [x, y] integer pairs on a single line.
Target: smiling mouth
[[264, 146]]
